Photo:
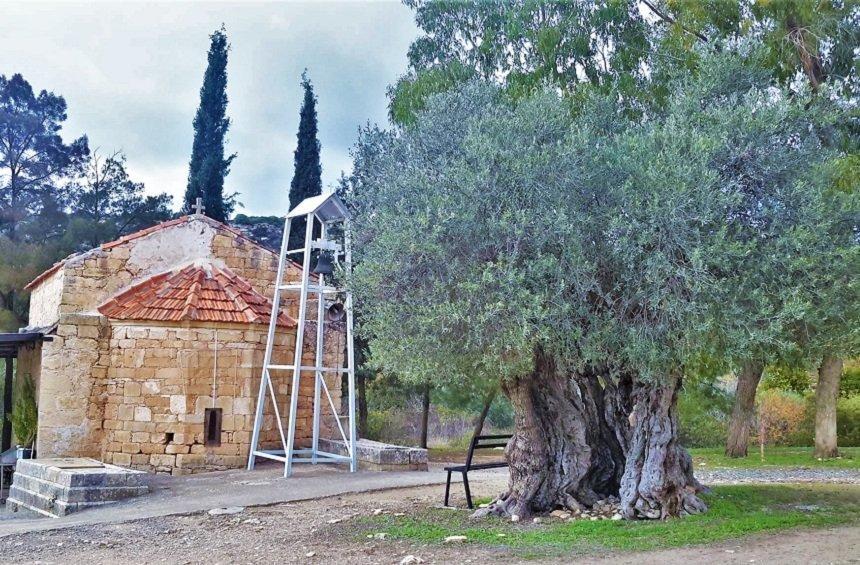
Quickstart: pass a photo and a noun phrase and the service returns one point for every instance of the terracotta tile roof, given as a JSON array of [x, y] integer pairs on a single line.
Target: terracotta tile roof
[[194, 293], [144, 232]]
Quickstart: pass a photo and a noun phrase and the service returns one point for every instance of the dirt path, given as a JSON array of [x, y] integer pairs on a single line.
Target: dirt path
[[834, 545], [328, 530]]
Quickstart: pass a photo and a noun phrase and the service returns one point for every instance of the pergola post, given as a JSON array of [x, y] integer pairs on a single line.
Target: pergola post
[[6, 436]]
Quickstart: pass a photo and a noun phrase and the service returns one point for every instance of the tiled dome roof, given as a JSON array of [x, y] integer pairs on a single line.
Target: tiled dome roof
[[193, 293]]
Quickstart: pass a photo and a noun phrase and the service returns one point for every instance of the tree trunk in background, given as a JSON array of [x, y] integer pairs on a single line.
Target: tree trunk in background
[[742, 414], [551, 454], [425, 414], [826, 396], [361, 386], [482, 417], [658, 477]]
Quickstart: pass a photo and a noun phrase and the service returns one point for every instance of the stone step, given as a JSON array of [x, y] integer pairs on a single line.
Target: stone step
[[98, 475], [56, 487], [77, 494], [47, 506]]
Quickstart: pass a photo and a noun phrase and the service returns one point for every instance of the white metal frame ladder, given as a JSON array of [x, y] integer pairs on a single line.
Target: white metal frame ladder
[[327, 210]]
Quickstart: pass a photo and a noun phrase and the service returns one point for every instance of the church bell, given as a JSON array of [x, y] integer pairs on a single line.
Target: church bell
[[324, 265], [335, 313]]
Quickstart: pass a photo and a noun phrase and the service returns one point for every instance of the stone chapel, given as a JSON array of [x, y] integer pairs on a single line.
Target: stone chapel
[[153, 349]]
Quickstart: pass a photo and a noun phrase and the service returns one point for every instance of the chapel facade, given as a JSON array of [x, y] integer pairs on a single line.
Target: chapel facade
[[155, 351]]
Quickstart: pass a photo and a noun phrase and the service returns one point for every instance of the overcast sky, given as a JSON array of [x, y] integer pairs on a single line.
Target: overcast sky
[[131, 74]]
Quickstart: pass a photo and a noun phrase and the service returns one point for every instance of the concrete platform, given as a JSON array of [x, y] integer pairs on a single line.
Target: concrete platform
[[61, 486], [263, 486]]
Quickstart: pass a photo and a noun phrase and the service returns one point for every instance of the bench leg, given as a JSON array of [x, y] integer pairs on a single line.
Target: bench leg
[[447, 488], [468, 494]]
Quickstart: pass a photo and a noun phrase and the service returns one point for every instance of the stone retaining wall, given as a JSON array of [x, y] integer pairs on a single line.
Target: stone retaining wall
[[378, 456]]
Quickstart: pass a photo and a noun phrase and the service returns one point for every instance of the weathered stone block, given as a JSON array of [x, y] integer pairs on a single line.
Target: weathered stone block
[[137, 333], [242, 406], [178, 403], [150, 387], [88, 332], [163, 459], [131, 447], [140, 437], [121, 459]]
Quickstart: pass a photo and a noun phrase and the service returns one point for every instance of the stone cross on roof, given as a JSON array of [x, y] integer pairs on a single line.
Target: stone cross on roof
[[198, 207]]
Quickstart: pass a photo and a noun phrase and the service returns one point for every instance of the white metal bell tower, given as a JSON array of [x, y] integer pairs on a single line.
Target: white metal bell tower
[[327, 210]]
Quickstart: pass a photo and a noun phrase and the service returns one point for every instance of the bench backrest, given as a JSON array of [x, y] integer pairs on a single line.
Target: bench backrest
[[486, 442]]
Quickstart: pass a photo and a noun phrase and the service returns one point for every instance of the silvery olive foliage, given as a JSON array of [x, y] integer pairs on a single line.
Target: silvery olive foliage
[[490, 229]]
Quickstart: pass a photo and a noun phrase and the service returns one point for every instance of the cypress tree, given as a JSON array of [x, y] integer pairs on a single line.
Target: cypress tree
[[307, 178], [208, 165]]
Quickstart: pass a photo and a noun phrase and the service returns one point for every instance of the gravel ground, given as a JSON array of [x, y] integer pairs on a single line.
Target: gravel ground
[[320, 531], [737, 476], [327, 530]]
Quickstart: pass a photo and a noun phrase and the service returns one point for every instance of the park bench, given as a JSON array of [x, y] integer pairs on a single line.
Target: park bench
[[478, 442]]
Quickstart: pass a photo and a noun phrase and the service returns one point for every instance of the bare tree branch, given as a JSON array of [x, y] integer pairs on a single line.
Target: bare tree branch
[[669, 19]]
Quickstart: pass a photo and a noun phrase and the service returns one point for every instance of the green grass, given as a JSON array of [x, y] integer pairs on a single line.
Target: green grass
[[784, 457], [735, 511]]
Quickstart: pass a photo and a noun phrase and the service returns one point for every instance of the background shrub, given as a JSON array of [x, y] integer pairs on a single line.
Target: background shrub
[[848, 421], [781, 415], [703, 413]]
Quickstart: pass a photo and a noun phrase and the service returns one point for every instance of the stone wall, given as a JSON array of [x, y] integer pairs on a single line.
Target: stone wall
[[160, 382], [71, 387], [45, 301], [97, 387]]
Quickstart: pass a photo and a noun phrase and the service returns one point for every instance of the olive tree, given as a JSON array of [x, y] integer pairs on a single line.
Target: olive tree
[[576, 257]]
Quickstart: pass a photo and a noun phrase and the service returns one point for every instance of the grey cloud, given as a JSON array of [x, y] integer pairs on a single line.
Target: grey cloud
[[131, 74]]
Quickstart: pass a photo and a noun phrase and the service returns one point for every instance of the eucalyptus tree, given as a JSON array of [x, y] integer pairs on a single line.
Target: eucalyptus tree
[[578, 259], [524, 45], [807, 43], [833, 333]]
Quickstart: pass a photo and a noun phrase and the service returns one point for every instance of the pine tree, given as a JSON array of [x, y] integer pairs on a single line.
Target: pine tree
[[208, 165], [307, 179]]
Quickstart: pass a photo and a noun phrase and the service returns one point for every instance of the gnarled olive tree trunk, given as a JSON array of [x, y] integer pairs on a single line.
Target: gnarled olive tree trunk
[[557, 456], [744, 409], [658, 477], [826, 396], [607, 403], [584, 437]]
